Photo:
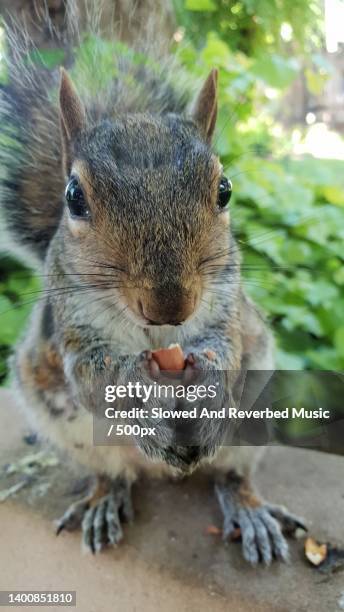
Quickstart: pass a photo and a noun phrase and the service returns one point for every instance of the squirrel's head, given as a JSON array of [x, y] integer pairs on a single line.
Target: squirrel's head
[[146, 205]]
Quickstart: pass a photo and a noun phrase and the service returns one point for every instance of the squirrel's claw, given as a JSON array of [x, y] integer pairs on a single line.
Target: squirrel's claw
[[289, 522], [261, 525], [100, 518], [102, 523], [72, 518]]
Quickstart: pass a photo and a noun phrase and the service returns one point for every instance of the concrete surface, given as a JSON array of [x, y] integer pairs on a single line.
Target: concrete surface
[[167, 561]]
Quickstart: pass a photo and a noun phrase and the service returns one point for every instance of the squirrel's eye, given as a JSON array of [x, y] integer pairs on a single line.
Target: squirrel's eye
[[75, 200], [225, 192]]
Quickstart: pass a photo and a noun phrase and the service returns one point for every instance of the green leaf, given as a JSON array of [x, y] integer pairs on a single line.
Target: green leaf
[[23, 285], [334, 194], [339, 340], [268, 241], [339, 276], [326, 359], [200, 5], [331, 318], [275, 70], [300, 317], [216, 52], [12, 320], [296, 252], [289, 361]]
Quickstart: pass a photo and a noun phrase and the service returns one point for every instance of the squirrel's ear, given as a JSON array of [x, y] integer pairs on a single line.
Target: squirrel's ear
[[71, 108], [204, 111], [72, 117]]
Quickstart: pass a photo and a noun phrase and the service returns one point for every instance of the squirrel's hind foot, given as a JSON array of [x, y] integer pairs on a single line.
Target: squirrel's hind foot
[[261, 524], [100, 514]]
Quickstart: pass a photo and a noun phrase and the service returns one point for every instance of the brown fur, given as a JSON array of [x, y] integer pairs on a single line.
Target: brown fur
[[42, 369]]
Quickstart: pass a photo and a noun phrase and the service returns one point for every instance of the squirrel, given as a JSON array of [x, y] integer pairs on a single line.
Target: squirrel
[[118, 198]]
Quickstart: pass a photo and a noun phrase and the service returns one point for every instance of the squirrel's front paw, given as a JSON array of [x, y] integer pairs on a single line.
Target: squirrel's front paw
[[198, 365], [99, 514], [203, 368], [148, 366], [261, 525]]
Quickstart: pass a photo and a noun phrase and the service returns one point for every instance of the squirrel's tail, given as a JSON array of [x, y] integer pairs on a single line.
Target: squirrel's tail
[[31, 179], [31, 182]]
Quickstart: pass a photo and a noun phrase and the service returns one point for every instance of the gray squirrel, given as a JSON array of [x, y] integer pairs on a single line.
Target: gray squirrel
[[118, 199]]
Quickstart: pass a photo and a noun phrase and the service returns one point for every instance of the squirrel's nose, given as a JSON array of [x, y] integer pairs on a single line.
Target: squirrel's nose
[[161, 321], [159, 315]]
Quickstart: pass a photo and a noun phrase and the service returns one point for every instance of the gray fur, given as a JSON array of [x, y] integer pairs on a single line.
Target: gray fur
[[155, 234], [261, 534]]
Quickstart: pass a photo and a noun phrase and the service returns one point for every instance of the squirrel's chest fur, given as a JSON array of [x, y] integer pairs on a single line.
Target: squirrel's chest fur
[[47, 399], [43, 392]]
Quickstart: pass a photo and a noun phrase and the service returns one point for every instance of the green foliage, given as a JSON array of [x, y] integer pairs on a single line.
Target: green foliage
[[200, 5], [287, 213], [291, 232], [275, 70], [251, 26], [19, 290]]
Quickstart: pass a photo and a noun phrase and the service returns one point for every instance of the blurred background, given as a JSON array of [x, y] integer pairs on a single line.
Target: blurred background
[[280, 135], [280, 138]]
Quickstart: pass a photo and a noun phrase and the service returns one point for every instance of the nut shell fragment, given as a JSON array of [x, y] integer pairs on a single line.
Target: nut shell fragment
[[316, 553]]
